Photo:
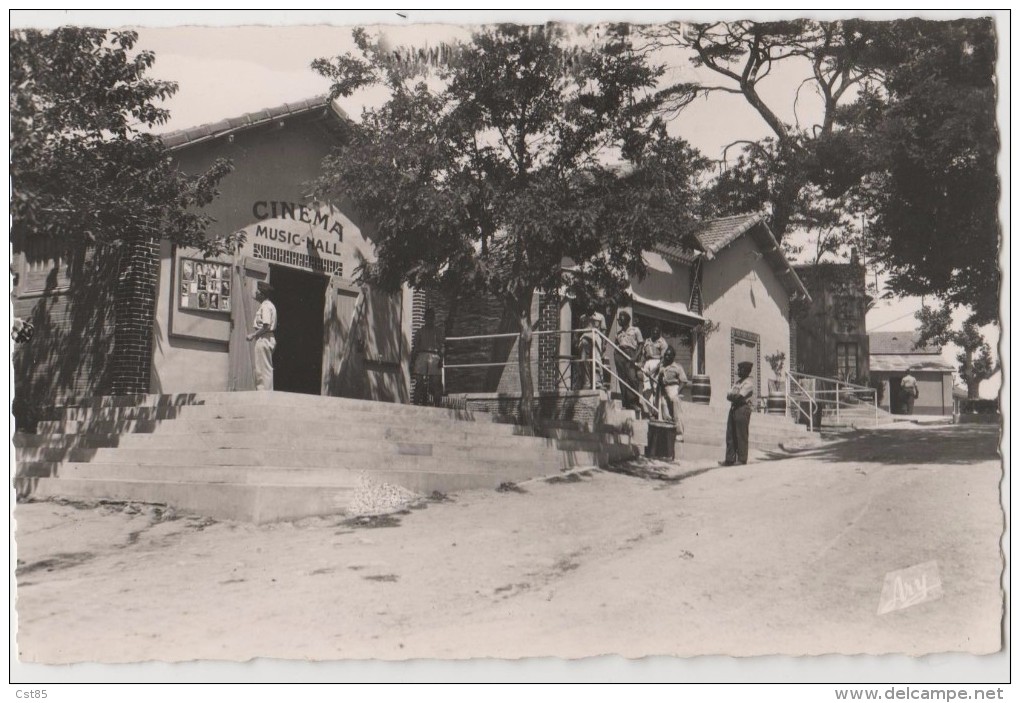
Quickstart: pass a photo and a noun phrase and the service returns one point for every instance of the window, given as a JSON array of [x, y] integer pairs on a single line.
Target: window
[[846, 361]]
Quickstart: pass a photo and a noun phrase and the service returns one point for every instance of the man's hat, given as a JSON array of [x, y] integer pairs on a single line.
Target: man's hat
[[264, 287], [744, 368]]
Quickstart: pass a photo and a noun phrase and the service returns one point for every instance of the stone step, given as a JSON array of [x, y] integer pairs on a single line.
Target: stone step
[[224, 501], [433, 456], [235, 420], [332, 411], [356, 438], [407, 476], [269, 398]]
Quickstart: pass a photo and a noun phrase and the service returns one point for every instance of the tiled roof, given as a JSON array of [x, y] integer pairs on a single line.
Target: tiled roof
[[898, 343], [214, 130], [711, 236], [903, 362], [677, 252], [714, 235]]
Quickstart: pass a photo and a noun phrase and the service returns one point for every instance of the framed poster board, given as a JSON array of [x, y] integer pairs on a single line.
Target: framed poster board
[[204, 285]]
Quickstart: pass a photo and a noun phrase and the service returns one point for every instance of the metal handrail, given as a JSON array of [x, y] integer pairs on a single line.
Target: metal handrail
[[794, 401], [815, 396], [832, 380], [596, 362], [657, 411]]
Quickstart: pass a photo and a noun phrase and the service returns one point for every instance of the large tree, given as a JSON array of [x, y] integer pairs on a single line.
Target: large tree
[[905, 137], [932, 163], [515, 154], [740, 56], [975, 357], [87, 174]]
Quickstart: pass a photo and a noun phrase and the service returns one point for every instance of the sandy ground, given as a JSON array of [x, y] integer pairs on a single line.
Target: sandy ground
[[786, 556]]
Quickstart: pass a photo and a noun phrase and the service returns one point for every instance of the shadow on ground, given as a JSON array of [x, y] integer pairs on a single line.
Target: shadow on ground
[[950, 444]]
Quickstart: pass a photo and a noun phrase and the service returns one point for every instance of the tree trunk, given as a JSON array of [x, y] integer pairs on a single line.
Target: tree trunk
[[969, 377], [523, 312], [135, 309]]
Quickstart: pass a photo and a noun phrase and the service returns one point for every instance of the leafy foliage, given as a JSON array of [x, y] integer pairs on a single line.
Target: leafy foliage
[[81, 168], [935, 188], [519, 153], [906, 138], [89, 184], [975, 358]]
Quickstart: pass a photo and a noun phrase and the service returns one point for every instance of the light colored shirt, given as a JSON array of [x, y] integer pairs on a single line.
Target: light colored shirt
[[629, 340], [743, 388], [655, 348], [266, 316], [908, 381], [673, 375]]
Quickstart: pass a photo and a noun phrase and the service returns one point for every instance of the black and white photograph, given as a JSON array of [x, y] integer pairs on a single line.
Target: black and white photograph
[[651, 345]]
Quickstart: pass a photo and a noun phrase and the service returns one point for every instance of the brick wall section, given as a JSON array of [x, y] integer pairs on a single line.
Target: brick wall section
[[548, 344], [582, 409], [69, 356], [135, 309], [836, 313]]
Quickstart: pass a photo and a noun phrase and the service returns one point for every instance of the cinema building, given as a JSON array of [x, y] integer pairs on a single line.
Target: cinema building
[[720, 294]]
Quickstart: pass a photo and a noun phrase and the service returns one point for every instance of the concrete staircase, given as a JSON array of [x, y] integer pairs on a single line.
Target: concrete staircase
[[704, 436], [266, 456], [705, 433]]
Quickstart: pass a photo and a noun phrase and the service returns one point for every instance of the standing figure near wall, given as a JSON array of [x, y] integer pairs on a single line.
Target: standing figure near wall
[[909, 391], [591, 346], [427, 363], [671, 380], [629, 340], [650, 359], [738, 423], [264, 336]]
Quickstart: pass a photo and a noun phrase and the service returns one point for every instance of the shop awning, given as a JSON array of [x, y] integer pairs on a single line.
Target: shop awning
[[673, 309]]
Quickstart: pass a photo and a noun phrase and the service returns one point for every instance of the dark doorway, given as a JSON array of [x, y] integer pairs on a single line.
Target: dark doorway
[[299, 297], [895, 396]]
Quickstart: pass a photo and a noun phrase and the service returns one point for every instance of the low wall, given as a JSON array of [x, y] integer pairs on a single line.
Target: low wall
[[581, 407]]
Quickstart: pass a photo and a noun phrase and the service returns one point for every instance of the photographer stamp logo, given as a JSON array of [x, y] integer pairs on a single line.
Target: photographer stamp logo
[[912, 586]]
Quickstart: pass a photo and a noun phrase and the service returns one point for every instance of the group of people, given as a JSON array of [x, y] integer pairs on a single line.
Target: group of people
[[649, 367], [651, 378]]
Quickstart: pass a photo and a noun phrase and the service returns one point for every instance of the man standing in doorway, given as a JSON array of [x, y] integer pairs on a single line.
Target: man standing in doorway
[[629, 340], [739, 421], [264, 336], [909, 392]]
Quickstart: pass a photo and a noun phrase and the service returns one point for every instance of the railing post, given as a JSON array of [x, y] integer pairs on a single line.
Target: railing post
[[594, 385], [789, 400], [837, 401]]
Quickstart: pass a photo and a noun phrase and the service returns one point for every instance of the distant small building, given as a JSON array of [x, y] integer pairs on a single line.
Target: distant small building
[[895, 353], [830, 330]]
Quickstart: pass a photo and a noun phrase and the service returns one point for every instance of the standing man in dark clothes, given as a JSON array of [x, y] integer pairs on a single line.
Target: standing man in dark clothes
[[629, 340], [427, 363], [909, 392], [739, 421]]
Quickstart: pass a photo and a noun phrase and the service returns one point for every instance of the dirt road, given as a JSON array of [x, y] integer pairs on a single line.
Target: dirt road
[[785, 556]]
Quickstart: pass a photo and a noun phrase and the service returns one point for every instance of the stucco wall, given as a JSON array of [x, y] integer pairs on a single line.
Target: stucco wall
[[742, 292], [935, 391], [191, 350], [665, 280]]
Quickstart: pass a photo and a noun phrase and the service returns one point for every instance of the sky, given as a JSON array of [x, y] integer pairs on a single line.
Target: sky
[[228, 63]]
